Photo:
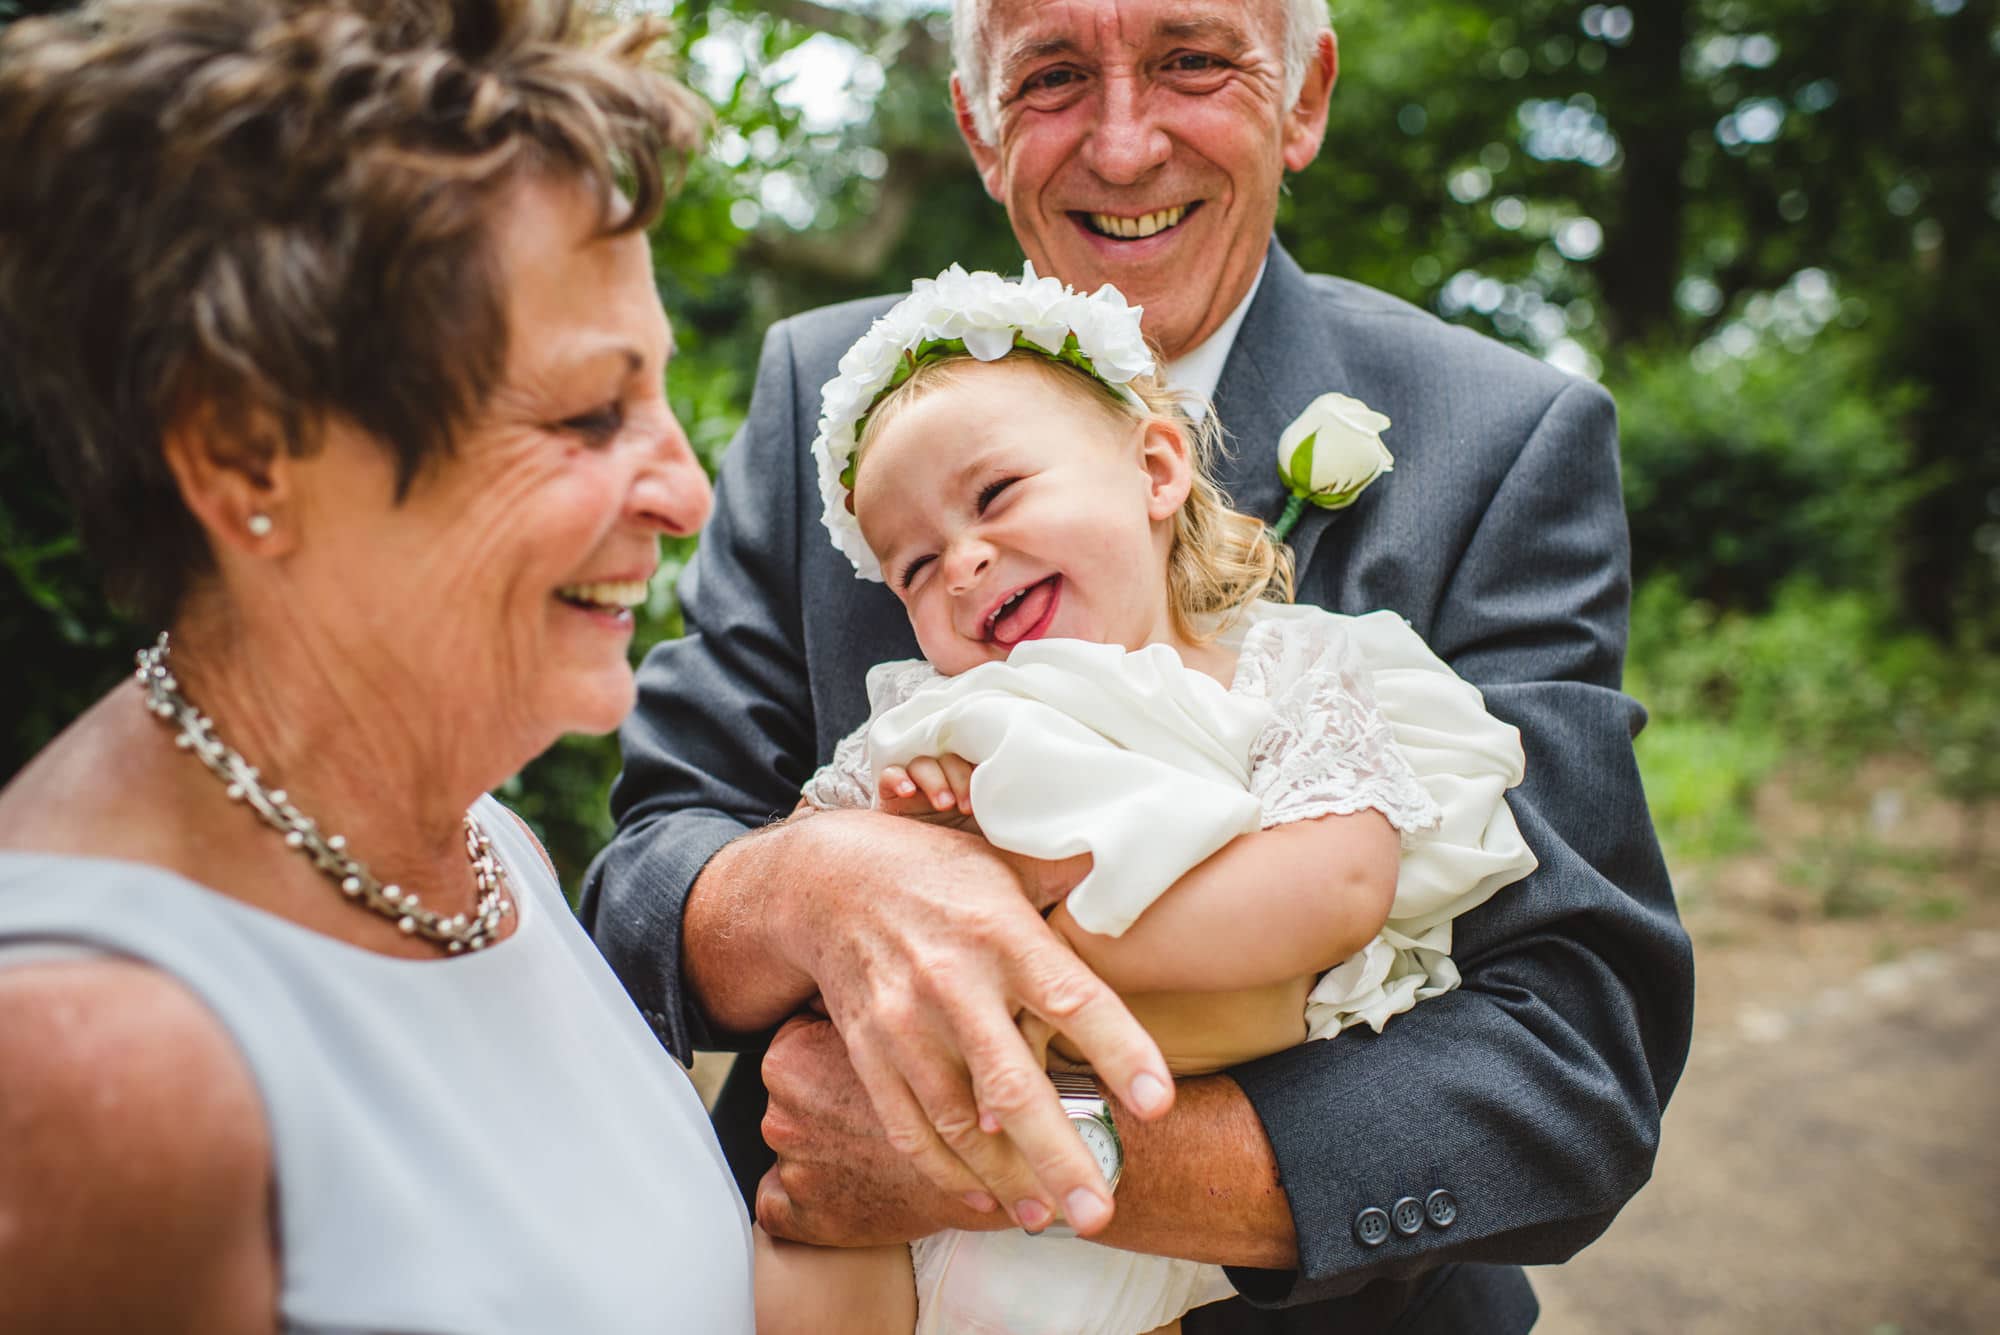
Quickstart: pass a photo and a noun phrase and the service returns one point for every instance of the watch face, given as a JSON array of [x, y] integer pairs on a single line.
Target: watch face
[[1102, 1142]]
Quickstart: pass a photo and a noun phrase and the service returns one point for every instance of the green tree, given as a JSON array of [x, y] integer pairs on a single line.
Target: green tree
[[1713, 176]]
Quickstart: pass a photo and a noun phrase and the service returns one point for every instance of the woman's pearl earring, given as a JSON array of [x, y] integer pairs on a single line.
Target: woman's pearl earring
[[259, 525]]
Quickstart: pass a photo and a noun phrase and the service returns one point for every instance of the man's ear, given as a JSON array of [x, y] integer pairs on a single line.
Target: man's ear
[[240, 491], [985, 157], [1305, 123], [1169, 465]]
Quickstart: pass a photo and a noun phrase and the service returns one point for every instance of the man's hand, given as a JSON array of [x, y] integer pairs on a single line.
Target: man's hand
[[1205, 1184], [838, 1182], [925, 945]]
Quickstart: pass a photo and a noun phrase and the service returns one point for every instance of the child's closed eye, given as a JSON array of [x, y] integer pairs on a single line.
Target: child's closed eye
[[991, 492]]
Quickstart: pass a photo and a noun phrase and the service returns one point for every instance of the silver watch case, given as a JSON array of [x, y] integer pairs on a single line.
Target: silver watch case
[[1090, 1114]]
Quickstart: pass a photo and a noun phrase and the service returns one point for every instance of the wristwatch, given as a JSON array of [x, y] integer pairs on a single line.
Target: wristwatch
[[1090, 1114]]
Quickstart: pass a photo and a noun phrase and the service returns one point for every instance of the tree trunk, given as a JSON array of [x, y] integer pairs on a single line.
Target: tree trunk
[[1946, 341], [1650, 112]]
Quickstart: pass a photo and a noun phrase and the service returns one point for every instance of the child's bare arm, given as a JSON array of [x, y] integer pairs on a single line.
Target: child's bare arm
[[805, 1290], [1283, 902], [1290, 900]]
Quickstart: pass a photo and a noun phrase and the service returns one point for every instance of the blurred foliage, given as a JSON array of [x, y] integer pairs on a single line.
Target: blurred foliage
[[1823, 673], [1767, 225], [1819, 682], [1780, 465]]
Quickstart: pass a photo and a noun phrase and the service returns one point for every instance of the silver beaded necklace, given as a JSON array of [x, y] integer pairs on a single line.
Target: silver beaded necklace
[[196, 733]]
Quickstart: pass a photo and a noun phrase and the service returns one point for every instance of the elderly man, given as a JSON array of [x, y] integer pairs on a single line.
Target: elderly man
[[1391, 1182]]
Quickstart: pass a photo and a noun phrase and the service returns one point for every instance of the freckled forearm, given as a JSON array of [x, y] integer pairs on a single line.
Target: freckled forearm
[[1202, 1183], [737, 965], [782, 914]]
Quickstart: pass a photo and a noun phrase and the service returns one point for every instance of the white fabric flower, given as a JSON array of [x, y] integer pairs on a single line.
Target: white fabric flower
[[986, 313], [1117, 347]]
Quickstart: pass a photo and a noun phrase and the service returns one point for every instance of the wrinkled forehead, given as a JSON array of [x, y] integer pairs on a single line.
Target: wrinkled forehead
[[1017, 32]]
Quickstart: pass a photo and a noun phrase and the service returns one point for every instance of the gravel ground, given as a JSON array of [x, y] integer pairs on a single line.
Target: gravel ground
[[1830, 1165]]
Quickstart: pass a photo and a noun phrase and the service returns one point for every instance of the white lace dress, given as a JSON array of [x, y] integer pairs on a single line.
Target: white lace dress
[[1150, 767]]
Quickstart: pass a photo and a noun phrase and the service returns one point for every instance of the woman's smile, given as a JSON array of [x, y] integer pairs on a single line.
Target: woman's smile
[[608, 602]]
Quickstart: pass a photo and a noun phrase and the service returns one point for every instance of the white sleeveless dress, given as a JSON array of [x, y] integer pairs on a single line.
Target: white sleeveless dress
[[492, 1143]]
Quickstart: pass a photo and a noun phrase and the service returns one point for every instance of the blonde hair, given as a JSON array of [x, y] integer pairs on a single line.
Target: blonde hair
[[1221, 560]]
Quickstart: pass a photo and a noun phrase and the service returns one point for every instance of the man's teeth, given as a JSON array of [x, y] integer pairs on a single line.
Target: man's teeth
[[607, 593], [1144, 225]]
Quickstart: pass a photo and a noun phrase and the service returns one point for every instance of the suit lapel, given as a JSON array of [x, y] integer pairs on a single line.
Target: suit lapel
[[1285, 357]]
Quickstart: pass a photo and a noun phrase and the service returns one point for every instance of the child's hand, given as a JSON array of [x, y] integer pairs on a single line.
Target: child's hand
[[929, 788]]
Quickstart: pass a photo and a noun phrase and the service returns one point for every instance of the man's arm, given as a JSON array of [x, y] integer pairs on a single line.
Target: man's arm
[[1199, 1182], [924, 946], [1532, 1093]]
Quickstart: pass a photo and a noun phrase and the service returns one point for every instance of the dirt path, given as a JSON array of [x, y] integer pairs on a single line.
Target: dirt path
[[1831, 1161], [1829, 1166]]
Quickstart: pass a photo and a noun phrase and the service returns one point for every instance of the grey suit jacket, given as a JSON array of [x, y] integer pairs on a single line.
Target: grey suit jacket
[[1532, 1093]]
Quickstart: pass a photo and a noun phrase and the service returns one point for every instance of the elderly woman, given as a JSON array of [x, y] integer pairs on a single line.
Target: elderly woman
[[340, 321]]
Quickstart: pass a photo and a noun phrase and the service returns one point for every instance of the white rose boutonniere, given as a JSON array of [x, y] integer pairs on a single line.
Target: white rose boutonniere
[[1329, 455]]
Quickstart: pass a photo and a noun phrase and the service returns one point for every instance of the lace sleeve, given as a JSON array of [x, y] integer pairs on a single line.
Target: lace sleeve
[[1328, 750], [845, 783]]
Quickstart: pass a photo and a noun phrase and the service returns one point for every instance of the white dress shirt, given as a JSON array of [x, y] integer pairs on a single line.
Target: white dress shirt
[[1197, 373]]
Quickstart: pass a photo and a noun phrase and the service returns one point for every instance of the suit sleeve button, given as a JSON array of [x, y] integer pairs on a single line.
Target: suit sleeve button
[[1407, 1215], [1371, 1227], [1442, 1207]]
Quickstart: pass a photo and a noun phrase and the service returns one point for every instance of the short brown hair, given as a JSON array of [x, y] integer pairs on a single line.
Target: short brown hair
[[1221, 560], [269, 212]]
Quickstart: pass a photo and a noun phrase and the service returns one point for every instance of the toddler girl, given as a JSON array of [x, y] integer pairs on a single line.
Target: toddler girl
[[1111, 669]]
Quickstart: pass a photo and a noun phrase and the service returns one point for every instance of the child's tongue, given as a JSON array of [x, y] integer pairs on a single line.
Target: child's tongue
[[1019, 621]]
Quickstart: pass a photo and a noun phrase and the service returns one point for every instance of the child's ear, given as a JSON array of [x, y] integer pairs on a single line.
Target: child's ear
[[1169, 465]]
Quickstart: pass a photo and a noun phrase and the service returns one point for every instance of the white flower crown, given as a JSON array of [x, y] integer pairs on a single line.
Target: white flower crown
[[977, 314]]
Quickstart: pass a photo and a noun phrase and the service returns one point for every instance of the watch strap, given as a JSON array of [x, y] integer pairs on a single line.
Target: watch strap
[[1076, 1085]]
